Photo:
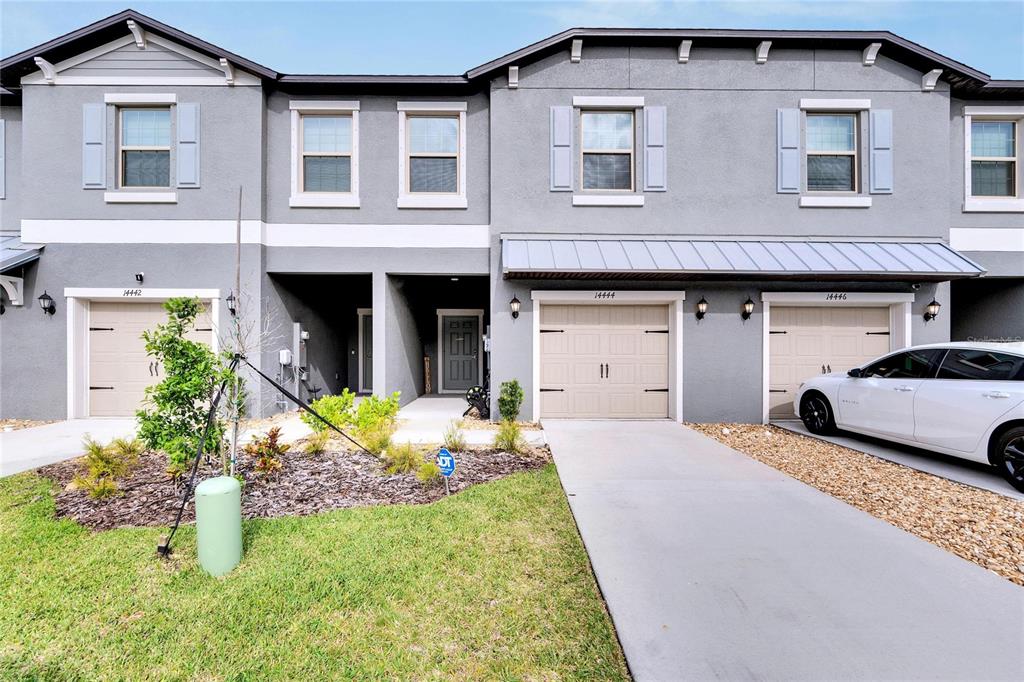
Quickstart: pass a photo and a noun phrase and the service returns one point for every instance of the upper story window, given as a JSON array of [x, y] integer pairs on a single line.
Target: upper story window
[[145, 147], [433, 154], [832, 152], [993, 158], [607, 150], [326, 153]]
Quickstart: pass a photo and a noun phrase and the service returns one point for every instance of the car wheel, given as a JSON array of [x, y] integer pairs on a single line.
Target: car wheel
[[1009, 457], [816, 414]]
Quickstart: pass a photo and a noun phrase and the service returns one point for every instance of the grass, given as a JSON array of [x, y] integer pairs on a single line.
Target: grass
[[492, 583]]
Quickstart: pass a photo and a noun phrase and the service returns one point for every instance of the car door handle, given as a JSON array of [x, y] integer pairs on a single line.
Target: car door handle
[[903, 389], [996, 394]]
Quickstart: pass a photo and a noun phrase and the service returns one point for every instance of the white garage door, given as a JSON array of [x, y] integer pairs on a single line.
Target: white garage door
[[806, 342], [119, 369], [604, 361]]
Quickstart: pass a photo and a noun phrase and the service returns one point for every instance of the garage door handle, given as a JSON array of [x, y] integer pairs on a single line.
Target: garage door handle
[[151, 369], [996, 394], [607, 371]]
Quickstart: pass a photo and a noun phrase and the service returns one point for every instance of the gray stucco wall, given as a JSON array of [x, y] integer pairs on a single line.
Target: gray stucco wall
[[230, 147], [11, 205]]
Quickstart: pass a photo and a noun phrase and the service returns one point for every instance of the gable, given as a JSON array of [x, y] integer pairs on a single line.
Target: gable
[[154, 61]]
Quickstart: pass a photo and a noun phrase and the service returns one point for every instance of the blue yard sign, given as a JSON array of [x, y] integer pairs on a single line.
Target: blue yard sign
[[446, 462]]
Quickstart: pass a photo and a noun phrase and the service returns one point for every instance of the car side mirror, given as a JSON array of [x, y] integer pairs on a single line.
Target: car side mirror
[[855, 373]]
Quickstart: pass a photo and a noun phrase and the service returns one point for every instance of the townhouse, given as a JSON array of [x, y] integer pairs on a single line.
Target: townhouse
[[678, 224]]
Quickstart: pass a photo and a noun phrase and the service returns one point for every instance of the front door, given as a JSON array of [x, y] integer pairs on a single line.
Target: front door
[[366, 353], [460, 352]]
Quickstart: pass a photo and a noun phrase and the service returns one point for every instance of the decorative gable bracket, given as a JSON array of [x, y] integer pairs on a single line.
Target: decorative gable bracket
[[138, 33], [761, 56], [930, 80], [871, 53], [229, 71], [14, 287], [576, 53], [49, 72]]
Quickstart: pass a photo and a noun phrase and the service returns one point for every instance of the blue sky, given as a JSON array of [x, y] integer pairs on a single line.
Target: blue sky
[[451, 37]]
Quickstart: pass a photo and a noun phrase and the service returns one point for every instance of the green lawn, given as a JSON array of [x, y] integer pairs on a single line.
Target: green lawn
[[492, 583]]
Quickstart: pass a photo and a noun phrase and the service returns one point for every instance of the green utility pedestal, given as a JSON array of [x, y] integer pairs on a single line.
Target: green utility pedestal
[[219, 524]]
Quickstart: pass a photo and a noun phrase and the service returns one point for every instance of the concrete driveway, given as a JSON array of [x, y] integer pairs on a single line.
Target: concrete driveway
[[715, 566], [26, 449]]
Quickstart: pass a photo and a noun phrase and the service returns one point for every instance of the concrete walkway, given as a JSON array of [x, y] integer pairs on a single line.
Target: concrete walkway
[[26, 449], [425, 419], [960, 470], [715, 566]]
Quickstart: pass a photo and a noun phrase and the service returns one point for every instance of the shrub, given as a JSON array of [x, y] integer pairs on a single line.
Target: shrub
[[401, 459], [454, 438], [100, 488], [268, 451], [509, 438], [125, 448], [428, 474], [316, 443], [336, 409], [510, 398], [375, 421], [104, 464], [173, 419]]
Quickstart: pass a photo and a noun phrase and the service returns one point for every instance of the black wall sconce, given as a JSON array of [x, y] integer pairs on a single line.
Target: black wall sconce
[[931, 311], [139, 276], [702, 308], [748, 309], [47, 304], [514, 307], [232, 303]]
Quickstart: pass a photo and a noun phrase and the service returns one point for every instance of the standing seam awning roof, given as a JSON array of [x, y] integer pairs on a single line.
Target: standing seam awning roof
[[14, 254], [592, 256]]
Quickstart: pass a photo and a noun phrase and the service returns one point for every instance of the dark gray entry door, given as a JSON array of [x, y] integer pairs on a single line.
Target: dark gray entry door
[[367, 359], [460, 336]]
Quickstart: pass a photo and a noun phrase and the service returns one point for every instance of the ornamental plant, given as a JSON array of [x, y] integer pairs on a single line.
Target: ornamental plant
[[173, 417], [510, 398], [336, 409], [375, 421], [267, 451]]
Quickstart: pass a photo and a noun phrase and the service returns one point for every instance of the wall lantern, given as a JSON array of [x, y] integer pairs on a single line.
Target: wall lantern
[[931, 311], [702, 308], [232, 303], [46, 303], [514, 306], [748, 309]]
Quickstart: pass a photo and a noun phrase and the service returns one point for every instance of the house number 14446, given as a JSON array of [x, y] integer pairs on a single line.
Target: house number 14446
[[835, 297]]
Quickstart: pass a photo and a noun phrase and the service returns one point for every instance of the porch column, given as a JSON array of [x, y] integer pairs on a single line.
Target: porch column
[[380, 359]]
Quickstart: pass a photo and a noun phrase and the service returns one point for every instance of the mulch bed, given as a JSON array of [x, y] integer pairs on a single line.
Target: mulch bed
[[975, 524], [306, 484]]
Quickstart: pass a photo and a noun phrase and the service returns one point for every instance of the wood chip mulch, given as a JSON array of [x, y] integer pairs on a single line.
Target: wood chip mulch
[[978, 525], [473, 422], [306, 484]]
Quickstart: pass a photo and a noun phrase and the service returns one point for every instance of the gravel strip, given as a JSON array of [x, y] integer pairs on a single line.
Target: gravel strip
[[18, 424], [974, 524]]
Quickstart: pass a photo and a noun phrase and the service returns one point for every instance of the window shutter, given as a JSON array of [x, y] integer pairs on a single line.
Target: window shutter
[[655, 158], [94, 145], [187, 151], [561, 149], [3, 159], [788, 140], [880, 172]]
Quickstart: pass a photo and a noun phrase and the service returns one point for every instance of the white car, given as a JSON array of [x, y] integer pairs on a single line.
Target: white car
[[960, 399]]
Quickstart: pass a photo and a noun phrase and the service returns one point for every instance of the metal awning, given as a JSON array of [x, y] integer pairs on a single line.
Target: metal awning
[[14, 254], [599, 256]]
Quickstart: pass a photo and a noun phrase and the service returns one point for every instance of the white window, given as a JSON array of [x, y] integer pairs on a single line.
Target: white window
[[832, 152], [607, 150], [144, 147], [993, 158], [325, 154], [432, 161]]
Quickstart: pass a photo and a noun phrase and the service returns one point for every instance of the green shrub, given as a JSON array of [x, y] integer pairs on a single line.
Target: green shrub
[[336, 409], [375, 421], [127, 448], [104, 464], [401, 459], [100, 488], [510, 398], [509, 438], [317, 443], [454, 438], [428, 474], [268, 451]]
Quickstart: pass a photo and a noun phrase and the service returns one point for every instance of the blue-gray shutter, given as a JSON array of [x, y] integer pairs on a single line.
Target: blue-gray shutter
[[94, 145], [788, 141], [187, 151], [655, 157], [561, 149], [3, 159], [880, 171]]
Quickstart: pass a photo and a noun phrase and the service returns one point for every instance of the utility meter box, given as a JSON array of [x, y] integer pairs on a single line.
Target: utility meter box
[[284, 357]]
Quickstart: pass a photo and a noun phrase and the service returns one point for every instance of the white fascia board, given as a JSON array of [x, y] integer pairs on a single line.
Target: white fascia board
[[987, 239], [994, 111], [140, 197], [432, 106], [144, 293], [835, 104], [821, 298], [607, 200], [323, 105], [835, 202], [144, 81], [140, 98], [608, 102], [621, 296]]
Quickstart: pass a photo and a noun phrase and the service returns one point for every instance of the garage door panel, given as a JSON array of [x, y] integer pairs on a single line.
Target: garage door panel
[[654, 404], [623, 343], [586, 343], [654, 344], [621, 373]]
